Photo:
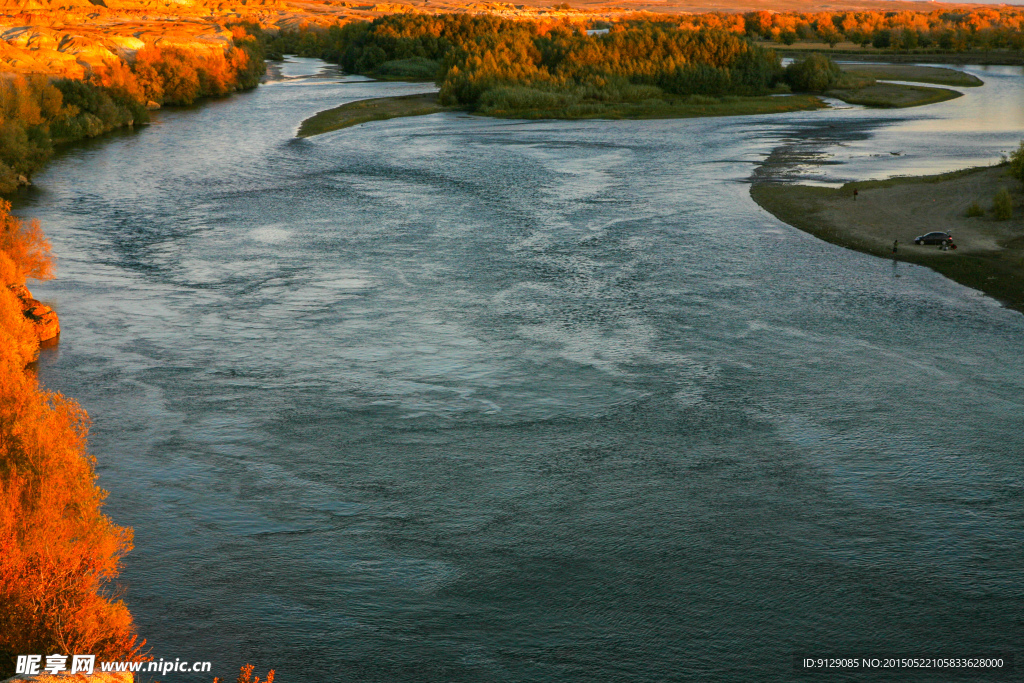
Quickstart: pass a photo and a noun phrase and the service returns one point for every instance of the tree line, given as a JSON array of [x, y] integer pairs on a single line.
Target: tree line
[[949, 30]]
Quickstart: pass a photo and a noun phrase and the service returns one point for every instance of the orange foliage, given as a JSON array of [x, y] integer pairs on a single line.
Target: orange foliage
[[58, 551], [28, 100], [944, 29], [25, 246], [119, 78], [176, 76], [245, 676], [18, 339]]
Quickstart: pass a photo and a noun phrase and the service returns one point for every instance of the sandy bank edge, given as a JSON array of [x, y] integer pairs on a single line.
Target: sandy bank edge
[[992, 264]]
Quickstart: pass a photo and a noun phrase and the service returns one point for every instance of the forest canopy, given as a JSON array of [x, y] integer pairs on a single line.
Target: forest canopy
[[489, 63]]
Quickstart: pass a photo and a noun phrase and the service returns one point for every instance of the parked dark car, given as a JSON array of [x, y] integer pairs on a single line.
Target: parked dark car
[[934, 238]]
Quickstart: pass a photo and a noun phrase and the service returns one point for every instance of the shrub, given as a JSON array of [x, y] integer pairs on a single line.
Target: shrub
[[18, 340], [816, 73], [1017, 162], [975, 210], [1002, 205], [26, 247], [245, 676], [507, 99]]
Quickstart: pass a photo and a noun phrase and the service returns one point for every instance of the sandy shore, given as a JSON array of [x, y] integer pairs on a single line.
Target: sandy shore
[[990, 253]]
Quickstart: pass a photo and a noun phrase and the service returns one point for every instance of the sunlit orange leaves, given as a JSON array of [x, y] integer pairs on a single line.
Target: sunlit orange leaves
[[177, 76], [58, 551], [25, 246]]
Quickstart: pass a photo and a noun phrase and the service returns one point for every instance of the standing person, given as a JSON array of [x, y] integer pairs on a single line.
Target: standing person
[[855, 195], [895, 243]]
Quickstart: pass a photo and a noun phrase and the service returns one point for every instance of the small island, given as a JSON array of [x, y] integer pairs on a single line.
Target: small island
[[855, 86], [364, 111], [383, 108]]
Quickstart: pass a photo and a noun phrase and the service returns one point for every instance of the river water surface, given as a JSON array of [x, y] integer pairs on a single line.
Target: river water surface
[[461, 399]]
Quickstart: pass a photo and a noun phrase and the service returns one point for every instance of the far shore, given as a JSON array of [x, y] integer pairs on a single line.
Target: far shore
[[864, 85], [989, 254]]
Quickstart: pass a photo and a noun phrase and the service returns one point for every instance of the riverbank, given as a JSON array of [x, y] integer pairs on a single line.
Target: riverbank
[[990, 253]]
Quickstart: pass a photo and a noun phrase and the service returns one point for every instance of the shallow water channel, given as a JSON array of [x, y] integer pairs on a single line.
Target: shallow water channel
[[462, 399]]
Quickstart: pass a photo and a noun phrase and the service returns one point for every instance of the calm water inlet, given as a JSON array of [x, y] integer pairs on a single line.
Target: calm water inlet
[[460, 399]]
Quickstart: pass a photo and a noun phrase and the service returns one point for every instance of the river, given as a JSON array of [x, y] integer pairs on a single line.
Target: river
[[463, 399]]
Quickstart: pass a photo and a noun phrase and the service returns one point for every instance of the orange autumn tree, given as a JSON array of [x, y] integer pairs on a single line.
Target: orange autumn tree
[[170, 75], [58, 551]]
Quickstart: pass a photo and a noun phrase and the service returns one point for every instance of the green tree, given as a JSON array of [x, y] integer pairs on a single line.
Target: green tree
[[1017, 162], [830, 36], [816, 73], [1002, 205]]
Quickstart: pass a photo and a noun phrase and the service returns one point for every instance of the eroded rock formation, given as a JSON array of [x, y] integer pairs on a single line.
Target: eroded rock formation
[[44, 318]]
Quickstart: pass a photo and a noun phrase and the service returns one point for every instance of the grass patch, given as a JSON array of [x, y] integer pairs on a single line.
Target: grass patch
[[413, 69], [364, 111], [975, 211], [893, 95], [853, 81], [911, 72], [555, 106]]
